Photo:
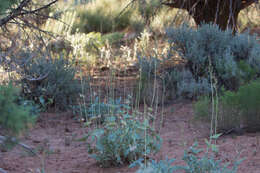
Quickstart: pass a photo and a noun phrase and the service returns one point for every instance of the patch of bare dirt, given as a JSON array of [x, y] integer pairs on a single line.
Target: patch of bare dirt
[[54, 138]]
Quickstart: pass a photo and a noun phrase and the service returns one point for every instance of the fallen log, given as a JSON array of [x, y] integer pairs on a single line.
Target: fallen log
[[26, 147]]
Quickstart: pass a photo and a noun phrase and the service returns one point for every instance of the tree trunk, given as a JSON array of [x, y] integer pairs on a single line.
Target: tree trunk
[[221, 12]]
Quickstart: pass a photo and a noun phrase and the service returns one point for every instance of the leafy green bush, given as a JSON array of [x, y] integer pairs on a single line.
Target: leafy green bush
[[249, 101], [228, 116], [202, 108], [14, 117], [51, 82], [194, 163], [206, 163], [209, 49], [122, 139], [235, 110], [113, 37]]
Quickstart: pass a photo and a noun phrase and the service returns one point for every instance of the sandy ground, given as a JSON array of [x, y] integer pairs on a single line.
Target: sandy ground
[[58, 152]]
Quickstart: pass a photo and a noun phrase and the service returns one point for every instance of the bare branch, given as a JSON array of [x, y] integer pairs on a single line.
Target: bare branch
[[14, 13], [20, 11], [246, 3], [30, 149], [39, 78]]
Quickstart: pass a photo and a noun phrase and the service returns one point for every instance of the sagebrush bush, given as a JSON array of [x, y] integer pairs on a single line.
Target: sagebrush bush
[[55, 83], [14, 118], [122, 139], [161, 86], [188, 87], [209, 47]]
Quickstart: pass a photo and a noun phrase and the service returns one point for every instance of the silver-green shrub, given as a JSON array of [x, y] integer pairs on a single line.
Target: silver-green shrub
[[123, 138], [209, 49], [50, 82], [193, 163]]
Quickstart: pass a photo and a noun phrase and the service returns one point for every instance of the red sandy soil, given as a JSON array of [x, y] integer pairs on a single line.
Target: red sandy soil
[[54, 133]]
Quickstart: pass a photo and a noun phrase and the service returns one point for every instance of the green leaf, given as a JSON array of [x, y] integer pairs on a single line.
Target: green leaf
[[216, 136], [42, 101]]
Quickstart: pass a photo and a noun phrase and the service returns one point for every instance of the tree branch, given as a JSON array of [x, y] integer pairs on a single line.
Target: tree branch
[[246, 3], [14, 13], [3, 139], [20, 11], [39, 9]]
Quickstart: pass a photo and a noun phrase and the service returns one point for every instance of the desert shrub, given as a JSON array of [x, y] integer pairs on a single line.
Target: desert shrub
[[156, 86], [249, 101], [102, 16], [50, 82], [210, 49], [149, 86], [148, 9], [59, 46], [202, 108], [113, 37], [206, 163], [228, 115], [122, 139], [87, 47], [34, 108], [188, 87], [14, 118], [98, 110], [194, 163], [235, 110], [182, 84], [163, 166], [166, 18]]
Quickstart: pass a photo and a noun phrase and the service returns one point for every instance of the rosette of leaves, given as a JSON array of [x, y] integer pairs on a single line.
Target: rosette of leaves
[[122, 139]]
